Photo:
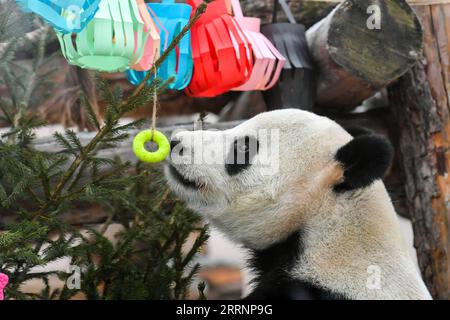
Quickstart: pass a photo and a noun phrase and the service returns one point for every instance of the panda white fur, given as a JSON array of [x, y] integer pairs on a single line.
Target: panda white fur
[[320, 225]]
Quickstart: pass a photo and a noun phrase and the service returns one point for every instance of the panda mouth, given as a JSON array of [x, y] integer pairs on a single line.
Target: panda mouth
[[191, 184]]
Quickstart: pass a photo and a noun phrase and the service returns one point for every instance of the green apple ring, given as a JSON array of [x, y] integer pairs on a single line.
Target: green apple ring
[[151, 157]]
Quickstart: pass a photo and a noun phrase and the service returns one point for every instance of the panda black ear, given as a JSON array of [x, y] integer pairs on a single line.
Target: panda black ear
[[365, 159]]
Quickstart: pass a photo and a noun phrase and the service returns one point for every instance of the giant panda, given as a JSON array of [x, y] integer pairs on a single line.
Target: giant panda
[[306, 197]]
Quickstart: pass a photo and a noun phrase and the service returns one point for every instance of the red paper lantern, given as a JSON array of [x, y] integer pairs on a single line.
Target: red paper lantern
[[222, 53]]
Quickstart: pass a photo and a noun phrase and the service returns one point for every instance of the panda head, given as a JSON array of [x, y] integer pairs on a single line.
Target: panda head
[[263, 179]]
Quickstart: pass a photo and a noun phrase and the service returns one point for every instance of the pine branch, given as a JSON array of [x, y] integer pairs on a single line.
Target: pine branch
[[124, 107], [199, 241], [92, 116]]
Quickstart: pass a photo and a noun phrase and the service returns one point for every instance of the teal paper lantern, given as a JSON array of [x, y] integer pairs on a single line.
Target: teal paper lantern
[[113, 41], [170, 18]]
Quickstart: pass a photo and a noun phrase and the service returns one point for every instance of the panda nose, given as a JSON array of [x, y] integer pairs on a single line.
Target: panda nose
[[174, 143]]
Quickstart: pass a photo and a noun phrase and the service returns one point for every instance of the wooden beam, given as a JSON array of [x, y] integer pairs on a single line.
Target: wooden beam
[[377, 120]]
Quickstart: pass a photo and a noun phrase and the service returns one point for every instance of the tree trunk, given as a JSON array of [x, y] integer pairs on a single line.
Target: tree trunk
[[421, 103]]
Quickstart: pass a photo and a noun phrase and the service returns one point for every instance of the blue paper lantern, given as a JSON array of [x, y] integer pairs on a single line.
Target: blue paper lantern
[[171, 18], [66, 16]]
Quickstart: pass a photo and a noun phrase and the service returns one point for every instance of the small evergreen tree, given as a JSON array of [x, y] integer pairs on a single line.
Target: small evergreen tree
[[147, 259]]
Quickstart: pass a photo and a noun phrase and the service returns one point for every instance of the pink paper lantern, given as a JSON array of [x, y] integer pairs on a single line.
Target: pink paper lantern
[[268, 61]]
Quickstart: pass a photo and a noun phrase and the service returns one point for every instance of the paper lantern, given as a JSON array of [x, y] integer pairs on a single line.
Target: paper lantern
[[66, 16], [170, 18], [153, 45], [222, 53], [113, 41], [297, 85], [268, 61]]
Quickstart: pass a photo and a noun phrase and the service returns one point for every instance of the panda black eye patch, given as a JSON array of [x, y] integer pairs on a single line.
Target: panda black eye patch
[[241, 154]]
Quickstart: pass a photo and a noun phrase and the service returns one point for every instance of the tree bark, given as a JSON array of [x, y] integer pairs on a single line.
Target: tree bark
[[421, 103], [355, 61]]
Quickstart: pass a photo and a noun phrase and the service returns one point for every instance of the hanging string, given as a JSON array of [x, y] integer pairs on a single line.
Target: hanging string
[[154, 112], [153, 135]]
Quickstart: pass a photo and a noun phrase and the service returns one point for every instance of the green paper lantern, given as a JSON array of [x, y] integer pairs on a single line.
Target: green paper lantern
[[112, 42]]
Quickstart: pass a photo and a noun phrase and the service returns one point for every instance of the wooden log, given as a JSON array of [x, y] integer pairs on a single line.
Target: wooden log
[[354, 60], [421, 103]]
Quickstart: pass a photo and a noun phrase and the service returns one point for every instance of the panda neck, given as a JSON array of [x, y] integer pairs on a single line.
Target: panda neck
[[329, 256], [273, 280]]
